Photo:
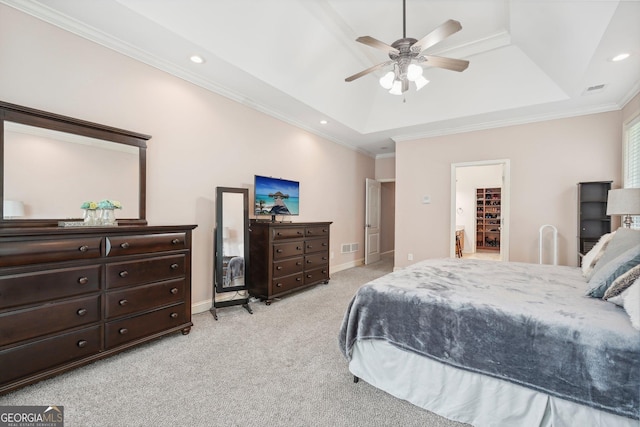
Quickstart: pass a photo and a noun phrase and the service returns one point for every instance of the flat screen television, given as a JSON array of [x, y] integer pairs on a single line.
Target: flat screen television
[[276, 196]]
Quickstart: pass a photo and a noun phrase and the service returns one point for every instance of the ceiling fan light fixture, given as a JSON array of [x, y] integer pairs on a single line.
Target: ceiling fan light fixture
[[396, 89], [386, 81], [420, 82], [414, 72]]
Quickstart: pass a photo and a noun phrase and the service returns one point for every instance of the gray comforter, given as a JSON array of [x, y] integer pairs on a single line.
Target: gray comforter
[[525, 323]]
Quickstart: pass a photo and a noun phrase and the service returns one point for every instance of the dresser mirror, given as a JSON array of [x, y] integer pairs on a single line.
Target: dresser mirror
[[52, 164]]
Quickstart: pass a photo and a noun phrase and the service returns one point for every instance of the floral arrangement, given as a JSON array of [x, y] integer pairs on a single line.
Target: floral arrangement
[[89, 205], [109, 204]]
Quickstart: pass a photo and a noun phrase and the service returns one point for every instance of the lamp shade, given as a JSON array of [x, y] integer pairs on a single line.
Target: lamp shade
[[12, 208], [624, 201]]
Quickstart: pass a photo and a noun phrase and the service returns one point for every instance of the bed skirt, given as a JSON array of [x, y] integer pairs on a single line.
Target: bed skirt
[[466, 396]]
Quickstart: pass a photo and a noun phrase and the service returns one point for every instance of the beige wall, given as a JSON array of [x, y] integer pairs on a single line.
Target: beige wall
[[547, 160], [200, 140], [631, 110], [386, 168]]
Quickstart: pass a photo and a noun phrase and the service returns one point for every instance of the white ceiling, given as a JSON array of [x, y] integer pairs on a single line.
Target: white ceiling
[[529, 59]]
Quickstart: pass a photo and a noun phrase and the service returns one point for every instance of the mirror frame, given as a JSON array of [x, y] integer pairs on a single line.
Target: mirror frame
[[32, 117], [219, 227]]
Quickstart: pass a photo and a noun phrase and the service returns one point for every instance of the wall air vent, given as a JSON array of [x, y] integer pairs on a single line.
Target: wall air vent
[[348, 248], [594, 89]]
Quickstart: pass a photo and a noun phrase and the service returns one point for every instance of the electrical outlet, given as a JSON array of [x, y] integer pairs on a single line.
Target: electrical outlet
[[410, 257]]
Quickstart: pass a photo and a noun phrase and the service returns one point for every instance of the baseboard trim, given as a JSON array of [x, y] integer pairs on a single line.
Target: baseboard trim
[[202, 306]]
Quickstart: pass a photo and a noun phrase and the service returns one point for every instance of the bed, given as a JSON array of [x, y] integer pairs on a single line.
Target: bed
[[502, 343]]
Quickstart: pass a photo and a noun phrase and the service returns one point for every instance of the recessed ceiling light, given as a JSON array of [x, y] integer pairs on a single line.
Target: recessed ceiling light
[[197, 59], [323, 122], [620, 57]]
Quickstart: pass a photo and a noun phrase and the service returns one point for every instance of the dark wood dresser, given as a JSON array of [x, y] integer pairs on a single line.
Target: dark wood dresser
[[70, 296], [286, 257]]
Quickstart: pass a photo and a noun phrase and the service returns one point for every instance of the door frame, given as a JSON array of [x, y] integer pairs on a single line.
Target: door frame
[[505, 204], [372, 230]]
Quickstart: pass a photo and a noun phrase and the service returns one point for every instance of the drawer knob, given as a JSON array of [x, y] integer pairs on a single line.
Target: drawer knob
[[175, 241], [123, 273], [83, 248], [309, 276], [279, 251], [299, 233], [174, 290], [298, 263], [298, 279], [174, 315], [123, 331], [82, 343], [278, 285], [124, 245], [123, 302], [308, 261], [324, 244], [279, 267], [83, 280], [174, 266], [298, 248], [81, 311]]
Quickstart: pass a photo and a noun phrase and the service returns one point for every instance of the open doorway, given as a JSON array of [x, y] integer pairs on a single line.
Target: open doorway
[[480, 193], [380, 220]]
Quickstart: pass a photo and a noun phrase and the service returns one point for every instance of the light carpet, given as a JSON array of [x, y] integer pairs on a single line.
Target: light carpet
[[280, 366]]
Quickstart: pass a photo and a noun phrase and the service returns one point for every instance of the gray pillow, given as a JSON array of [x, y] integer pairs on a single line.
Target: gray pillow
[[623, 282], [622, 254]]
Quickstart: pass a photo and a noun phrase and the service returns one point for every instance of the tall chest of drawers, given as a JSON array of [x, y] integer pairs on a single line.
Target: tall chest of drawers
[[72, 296], [286, 257]]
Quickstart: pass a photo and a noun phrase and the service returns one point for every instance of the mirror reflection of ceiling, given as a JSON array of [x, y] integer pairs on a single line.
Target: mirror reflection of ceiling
[[529, 60]]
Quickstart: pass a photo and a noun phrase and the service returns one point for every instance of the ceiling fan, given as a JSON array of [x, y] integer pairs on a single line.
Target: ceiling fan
[[406, 53]]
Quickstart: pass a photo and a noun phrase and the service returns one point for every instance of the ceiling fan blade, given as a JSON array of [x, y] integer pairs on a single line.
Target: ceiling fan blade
[[370, 41], [405, 85], [367, 71], [448, 63], [437, 35]]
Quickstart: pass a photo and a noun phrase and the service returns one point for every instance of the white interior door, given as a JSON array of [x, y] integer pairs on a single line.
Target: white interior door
[[372, 222]]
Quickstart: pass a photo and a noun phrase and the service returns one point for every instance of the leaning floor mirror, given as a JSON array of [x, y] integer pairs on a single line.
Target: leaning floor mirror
[[231, 248]]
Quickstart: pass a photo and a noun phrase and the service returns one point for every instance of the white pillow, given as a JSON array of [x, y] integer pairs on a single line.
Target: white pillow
[[630, 300], [590, 259]]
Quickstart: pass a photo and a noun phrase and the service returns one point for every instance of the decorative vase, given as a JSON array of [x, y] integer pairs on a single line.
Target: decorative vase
[[90, 217], [107, 217]]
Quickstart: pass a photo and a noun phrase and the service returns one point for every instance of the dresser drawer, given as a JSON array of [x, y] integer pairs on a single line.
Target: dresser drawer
[[29, 288], [315, 261], [142, 298], [317, 231], [288, 233], [48, 318], [288, 266], [145, 271], [29, 359], [285, 250], [39, 251], [122, 331], [317, 275], [316, 245], [140, 244], [283, 284]]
